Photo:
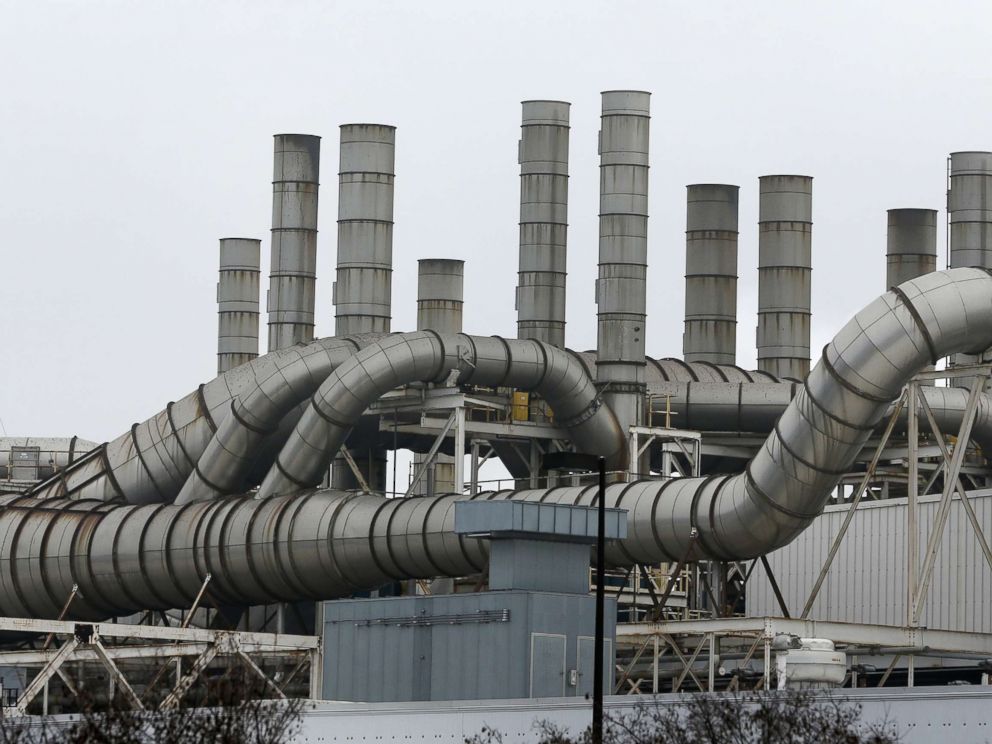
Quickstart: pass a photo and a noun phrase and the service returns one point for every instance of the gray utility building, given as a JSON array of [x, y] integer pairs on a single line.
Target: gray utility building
[[530, 635]]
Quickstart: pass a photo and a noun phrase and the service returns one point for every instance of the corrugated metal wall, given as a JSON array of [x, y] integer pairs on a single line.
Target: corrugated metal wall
[[867, 582]]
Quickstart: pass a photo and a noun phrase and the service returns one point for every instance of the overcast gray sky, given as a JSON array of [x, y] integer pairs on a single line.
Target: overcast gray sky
[[134, 135]]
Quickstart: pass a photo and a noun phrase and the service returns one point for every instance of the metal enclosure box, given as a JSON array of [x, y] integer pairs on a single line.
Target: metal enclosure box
[[504, 644]]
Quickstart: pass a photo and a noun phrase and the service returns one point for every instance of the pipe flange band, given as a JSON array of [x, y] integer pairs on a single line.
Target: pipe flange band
[[250, 427], [802, 460], [828, 414], [752, 486], [934, 358], [850, 385]]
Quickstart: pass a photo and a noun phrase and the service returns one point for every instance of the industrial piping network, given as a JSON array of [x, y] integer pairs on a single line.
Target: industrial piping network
[[303, 543]]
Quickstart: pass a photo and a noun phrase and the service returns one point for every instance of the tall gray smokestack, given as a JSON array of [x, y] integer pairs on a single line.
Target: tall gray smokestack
[[543, 158], [785, 237], [911, 245], [293, 262], [969, 217], [237, 302], [969, 210], [621, 290], [440, 283], [711, 274], [440, 287], [363, 289]]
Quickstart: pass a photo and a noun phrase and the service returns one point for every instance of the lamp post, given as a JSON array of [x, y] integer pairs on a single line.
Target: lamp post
[[577, 462]]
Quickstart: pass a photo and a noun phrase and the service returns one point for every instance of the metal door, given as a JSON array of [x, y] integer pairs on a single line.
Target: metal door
[[547, 665]]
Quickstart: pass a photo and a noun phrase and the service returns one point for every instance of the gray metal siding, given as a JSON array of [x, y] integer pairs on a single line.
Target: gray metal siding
[[867, 582]]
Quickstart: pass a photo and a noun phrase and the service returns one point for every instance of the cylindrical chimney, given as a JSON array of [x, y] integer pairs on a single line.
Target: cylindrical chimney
[[911, 245], [711, 274], [969, 210], [363, 289], [293, 262], [621, 290], [969, 218], [785, 237], [440, 284], [237, 302], [543, 158], [440, 287]]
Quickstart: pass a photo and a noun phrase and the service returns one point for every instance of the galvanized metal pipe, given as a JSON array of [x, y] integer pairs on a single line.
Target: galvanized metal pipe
[[711, 274], [621, 290], [424, 356], [543, 158], [237, 302], [363, 288], [293, 261], [911, 245], [785, 228]]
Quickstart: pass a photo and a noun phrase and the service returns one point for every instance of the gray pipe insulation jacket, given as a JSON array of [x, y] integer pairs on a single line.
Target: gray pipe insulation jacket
[[426, 356], [328, 544]]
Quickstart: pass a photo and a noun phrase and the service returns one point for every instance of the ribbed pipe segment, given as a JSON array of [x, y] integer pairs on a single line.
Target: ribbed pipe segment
[[237, 302], [425, 356], [711, 274], [911, 245], [152, 462], [785, 241], [363, 288], [621, 290], [543, 158], [293, 260]]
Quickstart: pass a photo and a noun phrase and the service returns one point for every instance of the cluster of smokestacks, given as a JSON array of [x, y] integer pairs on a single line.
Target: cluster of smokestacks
[[362, 290]]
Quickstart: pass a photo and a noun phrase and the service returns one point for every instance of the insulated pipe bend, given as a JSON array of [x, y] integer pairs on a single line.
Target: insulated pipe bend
[[152, 461], [256, 413], [425, 356]]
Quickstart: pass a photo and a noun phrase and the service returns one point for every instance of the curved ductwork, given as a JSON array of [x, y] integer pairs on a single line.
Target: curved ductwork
[[328, 544], [152, 462], [425, 356]]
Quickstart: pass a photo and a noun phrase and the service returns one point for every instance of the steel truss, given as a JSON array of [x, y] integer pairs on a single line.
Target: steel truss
[[88, 642]]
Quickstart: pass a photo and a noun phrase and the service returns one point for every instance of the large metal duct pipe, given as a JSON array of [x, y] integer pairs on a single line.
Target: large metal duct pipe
[[785, 230], [363, 288], [543, 158], [151, 462], [969, 210], [440, 289], [237, 302], [711, 274], [293, 261], [329, 544], [911, 245], [425, 356], [621, 290]]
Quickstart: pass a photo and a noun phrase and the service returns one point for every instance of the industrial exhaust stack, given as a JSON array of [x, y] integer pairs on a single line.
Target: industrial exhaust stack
[[621, 290], [543, 158], [711, 274], [911, 245], [237, 302], [364, 284], [293, 263], [785, 237]]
